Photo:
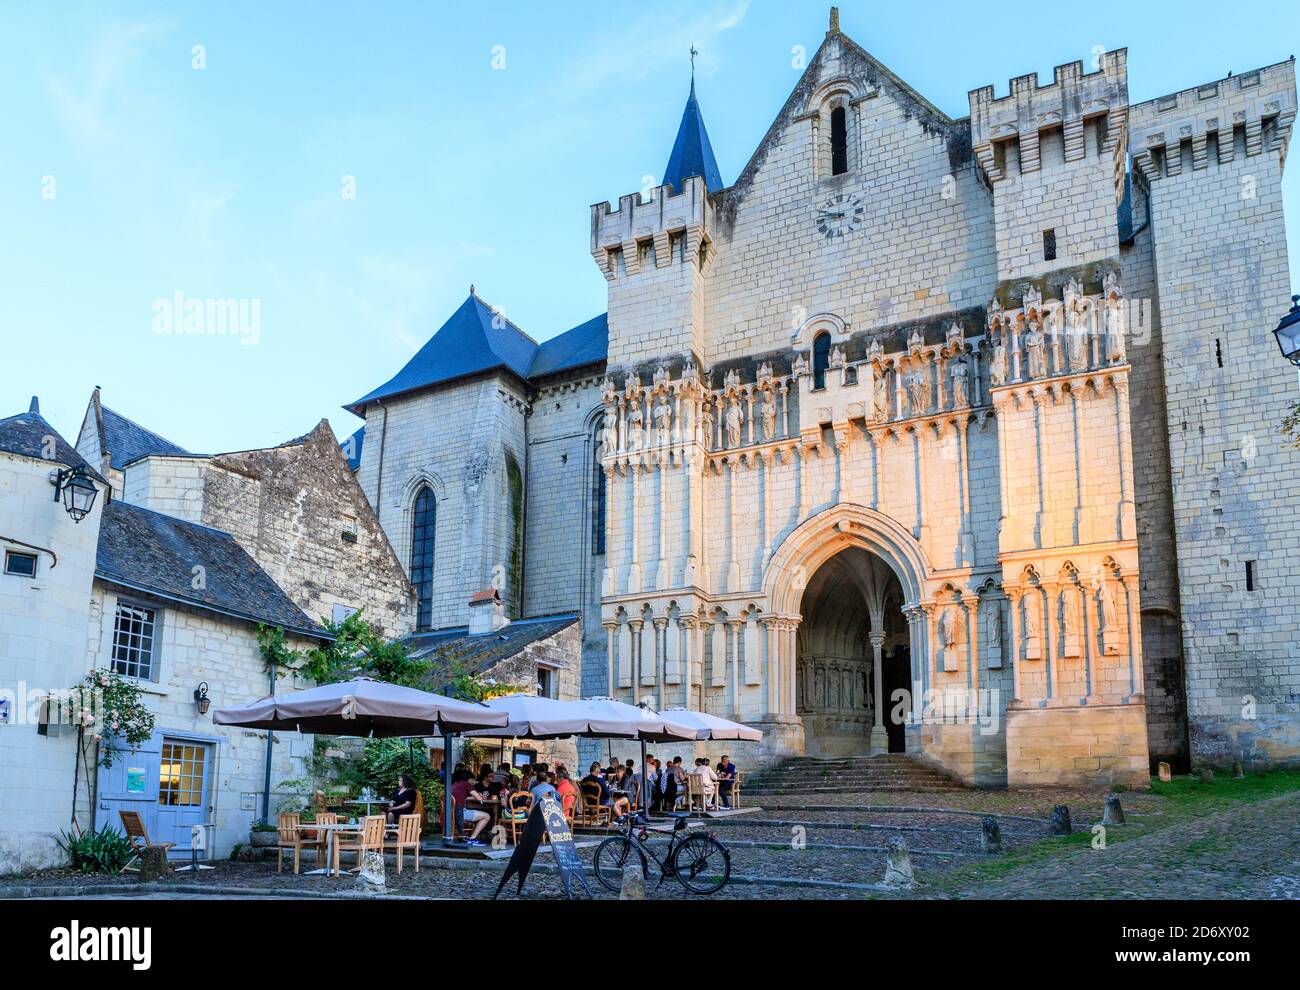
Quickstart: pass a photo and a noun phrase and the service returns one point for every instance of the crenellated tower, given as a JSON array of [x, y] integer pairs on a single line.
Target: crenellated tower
[[1054, 158]]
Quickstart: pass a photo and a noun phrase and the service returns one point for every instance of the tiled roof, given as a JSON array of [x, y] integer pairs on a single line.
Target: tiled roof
[[29, 435], [444, 647], [477, 338], [127, 441], [692, 153], [146, 551]]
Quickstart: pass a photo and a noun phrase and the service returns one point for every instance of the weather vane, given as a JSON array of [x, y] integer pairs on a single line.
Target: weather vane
[[694, 52]]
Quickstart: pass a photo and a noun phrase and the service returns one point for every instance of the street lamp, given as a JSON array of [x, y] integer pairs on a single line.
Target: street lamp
[[1288, 333], [78, 491]]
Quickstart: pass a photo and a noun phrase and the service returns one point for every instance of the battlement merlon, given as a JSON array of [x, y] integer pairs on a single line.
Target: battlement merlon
[[1072, 98], [659, 219], [1262, 103]]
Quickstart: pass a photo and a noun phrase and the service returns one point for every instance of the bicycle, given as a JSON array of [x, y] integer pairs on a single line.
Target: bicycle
[[700, 862]]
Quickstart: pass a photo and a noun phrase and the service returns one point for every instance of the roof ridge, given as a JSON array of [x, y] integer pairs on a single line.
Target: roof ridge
[[177, 519]]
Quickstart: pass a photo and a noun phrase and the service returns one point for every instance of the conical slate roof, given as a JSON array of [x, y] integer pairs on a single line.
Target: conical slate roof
[[692, 152]]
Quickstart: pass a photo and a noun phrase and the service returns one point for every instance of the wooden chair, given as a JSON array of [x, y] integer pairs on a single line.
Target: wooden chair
[[419, 810], [593, 812], [291, 837], [699, 799], [139, 839], [408, 837], [735, 791], [371, 839], [516, 813]]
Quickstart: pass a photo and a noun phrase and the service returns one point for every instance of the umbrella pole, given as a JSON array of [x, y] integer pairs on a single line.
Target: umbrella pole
[[447, 803], [645, 779]]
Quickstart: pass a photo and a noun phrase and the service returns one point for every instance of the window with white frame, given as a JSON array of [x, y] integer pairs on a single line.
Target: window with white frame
[[19, 564], [134, 639]]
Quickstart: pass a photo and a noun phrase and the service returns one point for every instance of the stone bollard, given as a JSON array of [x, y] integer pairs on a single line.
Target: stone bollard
[[1207, 776], [990, 835], [898, 864], [1061, 820], [1164, 773], [1237, 771], [370, 878], [1114, 814], [633, 886]]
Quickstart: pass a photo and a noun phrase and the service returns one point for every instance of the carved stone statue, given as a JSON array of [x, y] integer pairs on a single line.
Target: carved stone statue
[[706, 424], [959, 373], [609, 432], [767, 416], [1069, 612], [1109, 610], [663, 418], [1036, 351], [993, 626], [998, 363], [949, 629], [1078, 339], [732, 420], [1115, 331], [880, 397], [635, 425], [918, 392]]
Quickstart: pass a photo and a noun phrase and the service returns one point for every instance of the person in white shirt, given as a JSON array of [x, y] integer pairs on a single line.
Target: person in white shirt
[[708, 779]]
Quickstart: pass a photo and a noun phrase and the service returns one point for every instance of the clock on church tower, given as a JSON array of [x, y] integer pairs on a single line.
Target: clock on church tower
[[839, 215]]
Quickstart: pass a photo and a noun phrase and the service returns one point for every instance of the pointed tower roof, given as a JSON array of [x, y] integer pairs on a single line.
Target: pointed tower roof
[[692, 152]]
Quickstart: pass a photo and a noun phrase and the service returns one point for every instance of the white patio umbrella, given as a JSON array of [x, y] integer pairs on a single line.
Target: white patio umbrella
[[368, 708], [713, 726]]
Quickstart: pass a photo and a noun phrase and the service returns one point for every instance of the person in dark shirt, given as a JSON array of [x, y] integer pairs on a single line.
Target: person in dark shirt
[[726, 778], [403, 800]]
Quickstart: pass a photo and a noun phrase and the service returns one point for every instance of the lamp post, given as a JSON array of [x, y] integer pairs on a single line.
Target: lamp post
[[78, 491], [1287, 333]]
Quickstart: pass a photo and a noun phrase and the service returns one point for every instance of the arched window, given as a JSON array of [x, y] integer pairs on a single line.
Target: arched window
[[839, 142], [424, 520], [597, 491], [821, 359]]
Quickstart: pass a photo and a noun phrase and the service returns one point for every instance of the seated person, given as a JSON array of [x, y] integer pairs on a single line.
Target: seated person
[[468, 790], [403, 800], [708, 779], [543, 788], [567, 790], [618, 805], [726, 779]]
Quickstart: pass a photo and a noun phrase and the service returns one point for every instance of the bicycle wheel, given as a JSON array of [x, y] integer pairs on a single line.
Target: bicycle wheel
[[612, 856], [702, 864]]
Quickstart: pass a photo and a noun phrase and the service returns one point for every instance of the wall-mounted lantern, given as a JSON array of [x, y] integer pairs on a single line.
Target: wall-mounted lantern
[[78, 491], [201, 700]]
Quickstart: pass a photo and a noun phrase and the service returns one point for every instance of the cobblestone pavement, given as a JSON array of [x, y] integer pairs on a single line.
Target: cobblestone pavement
[[824, 850]]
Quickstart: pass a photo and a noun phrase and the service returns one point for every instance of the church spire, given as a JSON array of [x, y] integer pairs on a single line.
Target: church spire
[[692, 153]]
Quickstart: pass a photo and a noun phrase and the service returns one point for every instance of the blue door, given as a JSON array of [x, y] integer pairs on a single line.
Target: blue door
[[167, 780]]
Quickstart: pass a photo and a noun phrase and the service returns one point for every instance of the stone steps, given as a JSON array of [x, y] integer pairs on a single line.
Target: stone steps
[[847, 775]]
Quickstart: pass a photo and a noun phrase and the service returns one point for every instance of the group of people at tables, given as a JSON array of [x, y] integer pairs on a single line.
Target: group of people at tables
[[618, 786]]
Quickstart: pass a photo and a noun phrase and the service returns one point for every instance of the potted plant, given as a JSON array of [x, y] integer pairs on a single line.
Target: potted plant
[[262, 834]]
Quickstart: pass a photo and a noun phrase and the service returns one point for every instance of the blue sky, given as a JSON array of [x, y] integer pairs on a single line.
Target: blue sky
[[228, 181]]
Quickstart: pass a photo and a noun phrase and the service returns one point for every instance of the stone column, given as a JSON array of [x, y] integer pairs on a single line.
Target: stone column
[[657, 669], [1134, 634], [733, 640], [1013, 597], [972, 603], [611, 649], [879, 737], [634, 654], [691, 629], [1050, 645], [1128, 518], [772, 663]]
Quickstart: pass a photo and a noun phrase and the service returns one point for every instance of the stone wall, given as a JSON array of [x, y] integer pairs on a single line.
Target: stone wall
[[1070, 746], [1213, 158], [42, 648]]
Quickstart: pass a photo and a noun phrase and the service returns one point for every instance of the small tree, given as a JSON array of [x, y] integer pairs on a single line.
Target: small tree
[[109, 714], [1291, 427]]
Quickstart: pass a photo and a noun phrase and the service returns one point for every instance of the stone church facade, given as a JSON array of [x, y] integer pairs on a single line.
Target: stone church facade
[[952, 437]]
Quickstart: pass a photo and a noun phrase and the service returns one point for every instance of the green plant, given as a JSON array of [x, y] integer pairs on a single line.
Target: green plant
[[357, 649], [262, 825], [109, 713], [238, 850], [1291, 427], [105, 851]]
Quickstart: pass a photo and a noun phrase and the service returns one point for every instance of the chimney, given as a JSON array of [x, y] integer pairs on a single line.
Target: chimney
[[486, 612]]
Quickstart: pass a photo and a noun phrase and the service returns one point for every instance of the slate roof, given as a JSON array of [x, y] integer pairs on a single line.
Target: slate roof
[[357, 440], [26, 433], [692, 153], [478, 653], [146, 551], [127, 441], [587, 343], [477, 339]]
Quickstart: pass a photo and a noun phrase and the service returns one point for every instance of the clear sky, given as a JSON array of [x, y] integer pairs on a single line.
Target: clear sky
[[476, 136]]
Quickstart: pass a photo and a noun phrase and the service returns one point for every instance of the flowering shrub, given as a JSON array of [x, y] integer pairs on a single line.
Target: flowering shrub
[[107, 709]]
